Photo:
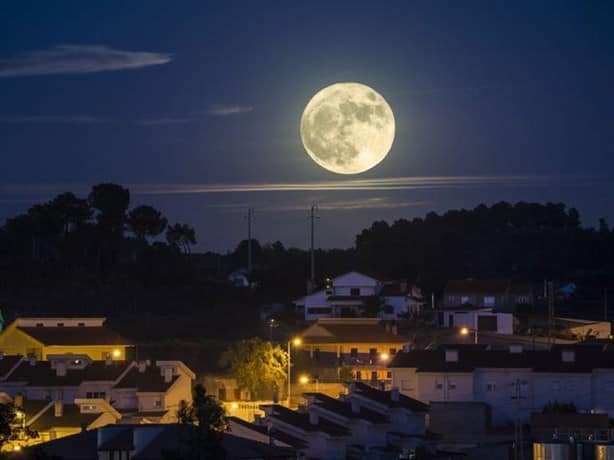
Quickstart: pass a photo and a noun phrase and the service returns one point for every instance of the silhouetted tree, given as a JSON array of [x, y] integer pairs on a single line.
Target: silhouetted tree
[[146, 221], [111, 202], [181, 236], [71, 211]]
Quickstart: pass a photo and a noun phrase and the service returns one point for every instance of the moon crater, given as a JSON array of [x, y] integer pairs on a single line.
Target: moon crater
[[347, 128]]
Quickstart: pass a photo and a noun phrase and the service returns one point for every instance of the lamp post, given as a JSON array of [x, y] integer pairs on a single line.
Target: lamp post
[[466, 331], [296, 342]]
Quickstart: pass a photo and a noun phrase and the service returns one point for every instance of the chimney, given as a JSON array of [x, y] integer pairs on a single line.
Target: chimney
[[167, 372], [313, 418], [58, 408], [18, 401], [451, 356], [60, 369], [32, 360], [394, 394], [142, 366], [568, 356]]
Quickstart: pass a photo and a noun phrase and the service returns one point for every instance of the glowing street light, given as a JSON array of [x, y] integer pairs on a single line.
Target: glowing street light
[[465, 331], [116, 353], [384, 357], [303, 380], [297, 342]]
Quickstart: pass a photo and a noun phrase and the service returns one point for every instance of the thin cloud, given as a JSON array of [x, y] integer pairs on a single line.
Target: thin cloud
[[164, 121], [78, 59], [226, 110], [68, 119]]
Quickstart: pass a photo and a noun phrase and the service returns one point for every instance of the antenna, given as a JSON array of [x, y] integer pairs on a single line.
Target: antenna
[[249, 217], [313, 216]]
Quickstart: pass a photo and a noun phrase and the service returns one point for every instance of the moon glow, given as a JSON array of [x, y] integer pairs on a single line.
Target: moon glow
[[347, 128]]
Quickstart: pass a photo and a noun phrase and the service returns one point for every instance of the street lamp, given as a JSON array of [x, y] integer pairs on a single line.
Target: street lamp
[[297, 341], [384, 357], [305, 379], [466, 331]]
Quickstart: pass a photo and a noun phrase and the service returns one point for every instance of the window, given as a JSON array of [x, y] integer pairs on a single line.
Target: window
[[491, 387], [354, 352], [438, 386], [373, 376], [372, 352], [489, 301], [358, 375], [451, 385], [60, 324], [355, 291], [393, 351], [158, 402], [389, 374], [81, 324], [464, 300], [40, 325], [237, 394], [89, 395], [407, 385]]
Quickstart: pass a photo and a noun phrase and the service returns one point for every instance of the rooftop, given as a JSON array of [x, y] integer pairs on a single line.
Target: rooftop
[[355, 330], [387, 398], [75, 335], [301, 420]]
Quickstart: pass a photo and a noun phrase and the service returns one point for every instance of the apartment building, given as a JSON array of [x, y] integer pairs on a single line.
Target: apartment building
[[514, 382]]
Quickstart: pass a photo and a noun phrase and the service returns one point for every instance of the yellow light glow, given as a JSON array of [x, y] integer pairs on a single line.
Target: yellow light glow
[[16, 448], [347, 128], [464, 331], [297, 341], [19, 414], [234, 405], [116, 353], [303, 379], [384, 356]]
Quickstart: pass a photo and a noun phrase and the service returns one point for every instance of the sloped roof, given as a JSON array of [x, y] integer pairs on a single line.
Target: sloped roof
[[351, 332], [150, 380], [75, 335], [472, 357], [7, 363], [344, 408], [71, 417], [385, 397], [301, 421], [41, 373]]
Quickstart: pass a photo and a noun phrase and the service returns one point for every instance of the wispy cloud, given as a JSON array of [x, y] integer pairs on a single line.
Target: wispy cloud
[[225, 110], [68, 119], [78, 59], [346, 205], [385, 184], [170, 120]]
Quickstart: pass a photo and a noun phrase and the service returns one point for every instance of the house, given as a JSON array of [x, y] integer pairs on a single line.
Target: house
[[41, 337], [355, 294], [150, 442], [365, 423], [82, 390], [476, 318], [363, 345], [495, 294], [514, 382]]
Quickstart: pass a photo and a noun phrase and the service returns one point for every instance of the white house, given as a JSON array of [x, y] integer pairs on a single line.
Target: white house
[[350, 294], [512, 382], [477, 318], [365, 423]]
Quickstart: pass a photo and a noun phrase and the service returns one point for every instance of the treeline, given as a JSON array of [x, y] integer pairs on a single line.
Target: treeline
[[100, 236], [93, 234]]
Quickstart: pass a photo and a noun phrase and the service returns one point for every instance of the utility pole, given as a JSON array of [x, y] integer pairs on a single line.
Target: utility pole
[[518, 442], [550, 311], [249, 217], [605, 304], [313, 216]]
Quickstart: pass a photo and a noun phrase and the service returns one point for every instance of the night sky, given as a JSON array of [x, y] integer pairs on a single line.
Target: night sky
[[195, 106]]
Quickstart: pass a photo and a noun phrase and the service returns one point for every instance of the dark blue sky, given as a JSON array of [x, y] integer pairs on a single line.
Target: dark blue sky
[[156, 95]]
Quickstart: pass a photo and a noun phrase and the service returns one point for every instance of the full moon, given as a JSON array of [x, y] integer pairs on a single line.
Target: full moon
[[347, 128]]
